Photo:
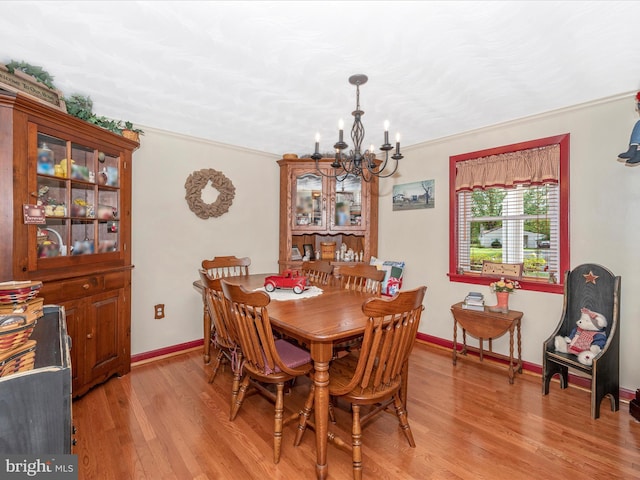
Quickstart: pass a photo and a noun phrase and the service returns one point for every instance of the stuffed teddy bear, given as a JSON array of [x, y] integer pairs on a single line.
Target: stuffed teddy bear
[[587, 339]]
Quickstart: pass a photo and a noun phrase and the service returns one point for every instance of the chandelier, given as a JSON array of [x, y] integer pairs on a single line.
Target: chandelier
[[357, 162]]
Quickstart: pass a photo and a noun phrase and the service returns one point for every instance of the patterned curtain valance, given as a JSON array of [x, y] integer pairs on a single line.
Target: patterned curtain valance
[[534, 166]]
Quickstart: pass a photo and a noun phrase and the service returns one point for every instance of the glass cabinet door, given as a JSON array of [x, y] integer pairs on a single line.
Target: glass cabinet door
[[79, 190], [346, 206], [310, 201]]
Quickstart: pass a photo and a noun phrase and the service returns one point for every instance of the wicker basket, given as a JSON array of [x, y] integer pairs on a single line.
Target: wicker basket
[[32, 309], [12, 336], [18, 360], [131, 135], [18, 292]]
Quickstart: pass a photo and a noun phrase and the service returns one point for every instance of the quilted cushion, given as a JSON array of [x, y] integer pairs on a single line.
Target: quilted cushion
[[393, 275], [291, 355]]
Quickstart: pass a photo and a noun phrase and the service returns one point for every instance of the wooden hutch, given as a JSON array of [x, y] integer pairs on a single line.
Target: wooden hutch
[[80, 176], [317, 209]]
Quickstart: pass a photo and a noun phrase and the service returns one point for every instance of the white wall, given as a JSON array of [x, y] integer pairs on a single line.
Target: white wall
[[604, 222], [170, 241]]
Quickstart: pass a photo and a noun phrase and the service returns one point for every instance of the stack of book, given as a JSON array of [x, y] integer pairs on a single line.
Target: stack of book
[[474, 301]]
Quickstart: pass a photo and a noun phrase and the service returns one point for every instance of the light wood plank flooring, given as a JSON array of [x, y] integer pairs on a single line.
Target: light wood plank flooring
[[164, 421]]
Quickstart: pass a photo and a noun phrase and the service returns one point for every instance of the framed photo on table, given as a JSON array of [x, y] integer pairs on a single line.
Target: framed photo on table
[[308, 250], [295, 253]]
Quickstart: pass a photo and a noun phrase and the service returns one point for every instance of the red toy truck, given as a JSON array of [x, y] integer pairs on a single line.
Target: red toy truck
[[289, 279]]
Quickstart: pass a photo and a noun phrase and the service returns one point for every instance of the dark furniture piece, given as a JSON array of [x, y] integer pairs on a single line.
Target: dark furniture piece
[[634, 406], [596, 288], [487, 325], [35, 405]]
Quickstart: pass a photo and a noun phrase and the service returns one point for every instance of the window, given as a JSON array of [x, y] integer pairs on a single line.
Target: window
[[510, 205]]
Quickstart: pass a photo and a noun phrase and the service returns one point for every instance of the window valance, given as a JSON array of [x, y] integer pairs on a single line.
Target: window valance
[[536, 166]]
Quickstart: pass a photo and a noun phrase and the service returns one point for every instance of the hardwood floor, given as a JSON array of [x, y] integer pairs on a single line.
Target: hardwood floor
[[164, 421]]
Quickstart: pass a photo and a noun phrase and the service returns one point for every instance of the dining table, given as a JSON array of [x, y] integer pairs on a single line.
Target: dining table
[[319, 321]]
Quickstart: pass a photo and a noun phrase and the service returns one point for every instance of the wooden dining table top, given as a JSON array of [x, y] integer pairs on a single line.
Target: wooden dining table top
[[334, 315]]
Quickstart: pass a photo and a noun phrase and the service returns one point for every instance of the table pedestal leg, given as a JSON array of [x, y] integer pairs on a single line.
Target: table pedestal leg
[[321, 354]]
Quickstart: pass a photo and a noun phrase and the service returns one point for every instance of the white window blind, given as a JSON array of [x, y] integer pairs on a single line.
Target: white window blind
[[510, 225]]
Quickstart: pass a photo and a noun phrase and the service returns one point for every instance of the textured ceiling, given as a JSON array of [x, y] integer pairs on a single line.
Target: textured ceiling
[[269, 75]]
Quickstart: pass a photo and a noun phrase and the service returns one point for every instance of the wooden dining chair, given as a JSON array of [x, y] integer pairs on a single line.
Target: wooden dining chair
[[374, 376], [317, 271], [265, 359], [224, 339], [362, 278], [220, 267], [229, 266]]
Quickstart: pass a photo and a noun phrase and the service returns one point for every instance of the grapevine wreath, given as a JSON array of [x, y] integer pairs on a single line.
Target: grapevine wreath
[[195, 184]]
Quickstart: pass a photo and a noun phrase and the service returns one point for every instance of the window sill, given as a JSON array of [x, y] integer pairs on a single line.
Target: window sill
[[533, 285]]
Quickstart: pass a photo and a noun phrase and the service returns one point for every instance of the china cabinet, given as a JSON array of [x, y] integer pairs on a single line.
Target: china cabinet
[[65, 220], [317, 210]]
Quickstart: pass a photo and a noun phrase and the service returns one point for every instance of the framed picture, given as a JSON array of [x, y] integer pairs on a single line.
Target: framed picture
[[308, 250], [295, 253], [414, 196]]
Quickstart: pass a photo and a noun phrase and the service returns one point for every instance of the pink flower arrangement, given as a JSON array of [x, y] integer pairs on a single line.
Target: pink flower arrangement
[[503, 285]]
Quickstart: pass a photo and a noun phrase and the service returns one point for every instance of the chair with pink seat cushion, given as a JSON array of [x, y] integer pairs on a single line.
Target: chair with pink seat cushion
[[265, 359]]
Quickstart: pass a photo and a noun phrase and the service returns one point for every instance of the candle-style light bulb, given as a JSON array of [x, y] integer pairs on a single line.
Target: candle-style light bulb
[[371, 148], [317, 142], [341, 130], [386, 132]]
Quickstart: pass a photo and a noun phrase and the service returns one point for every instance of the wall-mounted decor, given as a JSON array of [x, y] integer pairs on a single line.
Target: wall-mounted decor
[[195, 184], [413, 196], [632, 155]]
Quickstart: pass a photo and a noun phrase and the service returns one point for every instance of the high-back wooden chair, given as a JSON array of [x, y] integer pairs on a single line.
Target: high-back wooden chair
[[220, 267], [224, 339], [317, 271], [264, 358], [229, 266], [596, 288], [374, 377], [363, 278]]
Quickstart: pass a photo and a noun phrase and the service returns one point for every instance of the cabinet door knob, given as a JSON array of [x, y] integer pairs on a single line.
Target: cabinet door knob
[[89, 336], [86, 286]]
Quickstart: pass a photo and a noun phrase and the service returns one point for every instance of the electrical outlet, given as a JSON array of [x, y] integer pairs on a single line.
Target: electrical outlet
[[159, 311]]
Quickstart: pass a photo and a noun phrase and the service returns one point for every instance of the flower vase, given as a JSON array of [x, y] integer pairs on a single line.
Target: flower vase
[[503, 303]]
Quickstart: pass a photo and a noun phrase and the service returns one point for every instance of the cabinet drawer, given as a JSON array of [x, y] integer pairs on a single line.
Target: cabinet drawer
[[56, 292]]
